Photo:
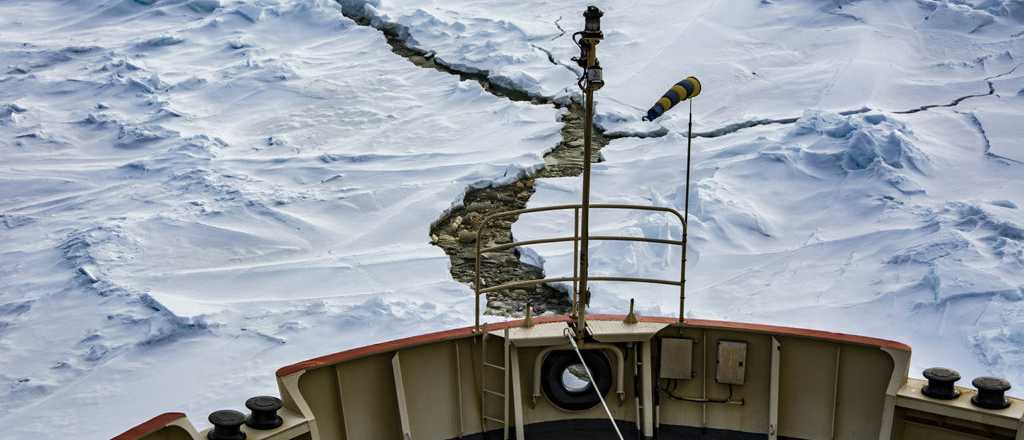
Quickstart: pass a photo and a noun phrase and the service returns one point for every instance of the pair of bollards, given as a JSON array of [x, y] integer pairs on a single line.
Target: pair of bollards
[[991, 390], [227, 423]]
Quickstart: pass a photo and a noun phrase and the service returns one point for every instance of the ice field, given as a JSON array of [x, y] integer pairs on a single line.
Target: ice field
[[196, 192]]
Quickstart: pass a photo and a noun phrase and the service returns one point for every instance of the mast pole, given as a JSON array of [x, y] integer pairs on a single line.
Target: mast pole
[[686, 216], [584, 297], [592, 80], [686, 89]]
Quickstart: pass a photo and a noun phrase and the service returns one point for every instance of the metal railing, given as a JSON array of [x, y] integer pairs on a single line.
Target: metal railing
[[480, 289]]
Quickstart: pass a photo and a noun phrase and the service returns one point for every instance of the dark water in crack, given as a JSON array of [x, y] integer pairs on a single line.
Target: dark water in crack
[[455, 232], [392, 33]]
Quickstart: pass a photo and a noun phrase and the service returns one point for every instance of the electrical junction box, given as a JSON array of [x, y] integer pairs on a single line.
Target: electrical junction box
[[676, 358], [732, 362]]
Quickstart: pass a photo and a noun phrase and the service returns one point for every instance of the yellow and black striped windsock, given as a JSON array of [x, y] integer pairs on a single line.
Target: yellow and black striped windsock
[[683, 90]]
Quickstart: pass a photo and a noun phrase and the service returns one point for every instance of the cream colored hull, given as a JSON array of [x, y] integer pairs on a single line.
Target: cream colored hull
[[794, 384]]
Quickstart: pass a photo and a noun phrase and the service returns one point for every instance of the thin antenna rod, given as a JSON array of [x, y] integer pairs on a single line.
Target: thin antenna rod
[[686, 215]]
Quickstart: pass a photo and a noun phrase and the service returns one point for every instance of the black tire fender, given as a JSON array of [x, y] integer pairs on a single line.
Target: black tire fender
[[551, 379]]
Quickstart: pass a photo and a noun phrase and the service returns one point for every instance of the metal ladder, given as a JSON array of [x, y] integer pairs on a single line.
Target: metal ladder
[[490, 394]]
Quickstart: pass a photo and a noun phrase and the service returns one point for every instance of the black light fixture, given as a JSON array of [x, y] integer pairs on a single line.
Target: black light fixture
[[592, 25]]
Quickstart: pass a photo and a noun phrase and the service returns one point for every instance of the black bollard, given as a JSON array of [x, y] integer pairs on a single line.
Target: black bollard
[[940, 383], [991, 393], [264, 412], [227, 424]]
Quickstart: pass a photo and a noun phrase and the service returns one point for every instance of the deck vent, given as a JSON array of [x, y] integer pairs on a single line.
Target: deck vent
[[227, 424], [940, 383], [990, 393], [264, 412]]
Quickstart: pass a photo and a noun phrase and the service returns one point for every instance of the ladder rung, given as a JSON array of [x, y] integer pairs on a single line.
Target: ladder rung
[[494, 393], [494, 420], [499, 367]]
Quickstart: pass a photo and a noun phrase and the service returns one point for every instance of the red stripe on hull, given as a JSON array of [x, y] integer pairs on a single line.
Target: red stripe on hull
[[398, 344]]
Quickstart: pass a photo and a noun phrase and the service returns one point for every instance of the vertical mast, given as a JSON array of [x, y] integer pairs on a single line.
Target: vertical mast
[[683, 90], [686, 218], [591, 81]]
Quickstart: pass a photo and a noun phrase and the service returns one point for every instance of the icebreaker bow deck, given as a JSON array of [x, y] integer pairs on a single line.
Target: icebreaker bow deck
[[594, 377]]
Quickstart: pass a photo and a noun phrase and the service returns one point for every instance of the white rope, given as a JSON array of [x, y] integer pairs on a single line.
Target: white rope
[[594, 386]]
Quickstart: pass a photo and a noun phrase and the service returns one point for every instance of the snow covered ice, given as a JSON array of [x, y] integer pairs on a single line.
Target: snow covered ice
[[196, 192], [206, 193]]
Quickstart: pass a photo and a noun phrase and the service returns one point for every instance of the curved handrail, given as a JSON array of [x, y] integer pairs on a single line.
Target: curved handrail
[[515, 244], [533, 282], [575, 239], [577, 206]]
